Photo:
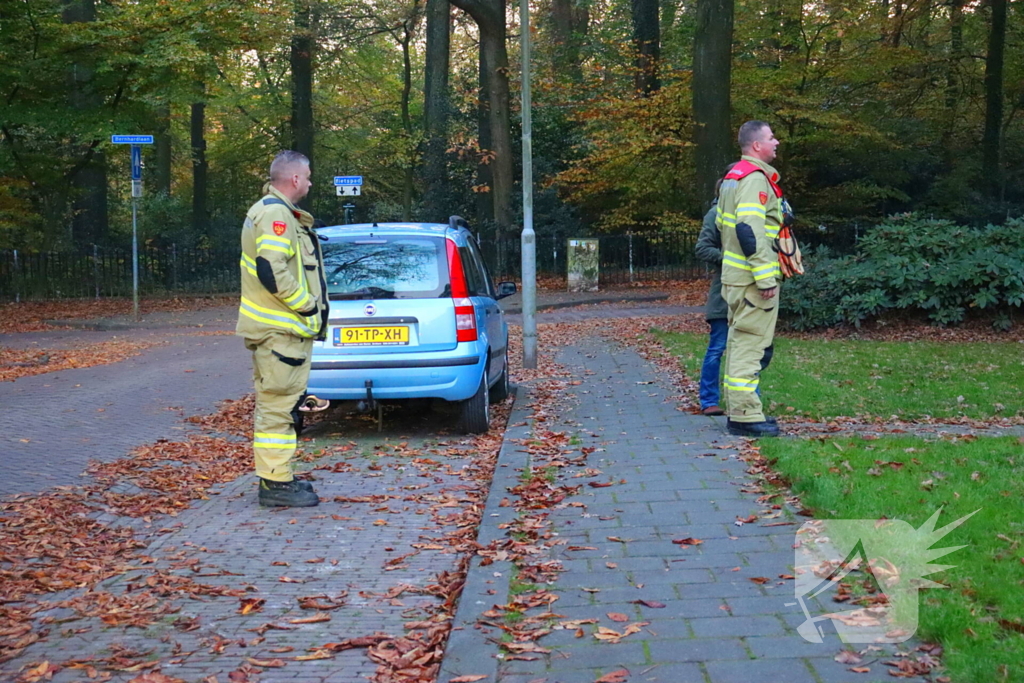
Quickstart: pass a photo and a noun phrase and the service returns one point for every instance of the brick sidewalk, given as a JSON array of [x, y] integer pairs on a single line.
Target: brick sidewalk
[[677, 476], [362, 545]]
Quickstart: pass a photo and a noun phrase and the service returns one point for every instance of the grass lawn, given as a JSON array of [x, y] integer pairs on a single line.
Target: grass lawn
[[822, 379], [979, 620]]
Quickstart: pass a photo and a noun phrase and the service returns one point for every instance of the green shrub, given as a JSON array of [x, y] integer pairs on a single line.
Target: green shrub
[[916, 265]]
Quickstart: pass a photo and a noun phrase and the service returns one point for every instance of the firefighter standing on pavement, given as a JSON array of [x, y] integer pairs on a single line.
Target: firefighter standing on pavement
[[749, 218], [283, 309]]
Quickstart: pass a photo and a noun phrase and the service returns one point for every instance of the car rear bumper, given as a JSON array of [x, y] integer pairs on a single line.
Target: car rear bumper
[[452, 378]]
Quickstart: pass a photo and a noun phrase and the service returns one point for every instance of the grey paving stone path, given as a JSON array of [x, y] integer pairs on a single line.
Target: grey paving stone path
[[679, 477], [55, 423], [348, 546]]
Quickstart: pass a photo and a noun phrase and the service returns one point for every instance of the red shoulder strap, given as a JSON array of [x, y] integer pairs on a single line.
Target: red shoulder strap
[[743, 168]]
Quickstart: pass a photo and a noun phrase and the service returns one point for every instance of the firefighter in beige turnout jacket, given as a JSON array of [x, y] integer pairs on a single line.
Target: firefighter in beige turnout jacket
[[283, 309], [749, 218]]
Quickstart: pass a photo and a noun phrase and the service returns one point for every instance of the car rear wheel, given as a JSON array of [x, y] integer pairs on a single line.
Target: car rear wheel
[[475, 412], [499, 392]]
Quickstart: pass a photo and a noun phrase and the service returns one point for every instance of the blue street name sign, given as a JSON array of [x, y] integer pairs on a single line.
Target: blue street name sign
[[348, 180], [131, 139]]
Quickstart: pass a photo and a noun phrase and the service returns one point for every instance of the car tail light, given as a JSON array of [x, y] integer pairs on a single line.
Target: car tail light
[[465, 314]]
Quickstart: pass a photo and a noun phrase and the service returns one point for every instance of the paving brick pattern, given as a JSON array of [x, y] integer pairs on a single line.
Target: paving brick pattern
[[237, 542], [681, 479], [55, 423]]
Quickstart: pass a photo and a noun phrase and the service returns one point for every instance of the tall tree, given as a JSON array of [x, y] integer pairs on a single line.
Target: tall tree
[[569, 22], [436, 105], [990, 141], [88, 175], [489, 16], [405, 35], [302, 85], [712, 69], [200, 216], [162, 138], [647, 44]]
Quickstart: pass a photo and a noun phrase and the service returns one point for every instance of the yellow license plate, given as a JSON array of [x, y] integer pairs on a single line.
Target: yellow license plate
[[371, 336]]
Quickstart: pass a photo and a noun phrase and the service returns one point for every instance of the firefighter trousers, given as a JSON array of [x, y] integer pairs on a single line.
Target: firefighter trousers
[[280, 372], [751, 332]]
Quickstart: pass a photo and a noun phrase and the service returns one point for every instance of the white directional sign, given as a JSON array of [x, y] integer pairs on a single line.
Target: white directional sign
[[340, 180], [348, 190]]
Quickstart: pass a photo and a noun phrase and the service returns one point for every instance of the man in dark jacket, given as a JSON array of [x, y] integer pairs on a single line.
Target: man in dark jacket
[[709, 249]]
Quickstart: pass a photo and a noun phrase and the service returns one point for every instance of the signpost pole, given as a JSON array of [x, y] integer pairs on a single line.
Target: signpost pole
[[529, 237], [135, 260], [135, 142], [136, 153]]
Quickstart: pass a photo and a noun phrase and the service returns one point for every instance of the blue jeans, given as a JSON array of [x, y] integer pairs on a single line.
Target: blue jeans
[[711, 370]]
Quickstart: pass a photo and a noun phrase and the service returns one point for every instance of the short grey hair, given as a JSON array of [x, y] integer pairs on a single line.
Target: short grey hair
[[749, 133], [283, 161]]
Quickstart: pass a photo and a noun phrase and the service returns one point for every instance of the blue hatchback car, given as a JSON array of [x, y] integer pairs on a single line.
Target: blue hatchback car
[[414, 315]]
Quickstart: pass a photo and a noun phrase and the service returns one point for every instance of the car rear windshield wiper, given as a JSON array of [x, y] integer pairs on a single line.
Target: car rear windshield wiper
[[362, 293]]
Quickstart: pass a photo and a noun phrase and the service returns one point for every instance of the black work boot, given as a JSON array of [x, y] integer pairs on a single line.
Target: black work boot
[[287, 494], [752, 429], [305, 485]]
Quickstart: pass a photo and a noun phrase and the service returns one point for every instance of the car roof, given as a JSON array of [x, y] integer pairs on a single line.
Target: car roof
[[433, 229]]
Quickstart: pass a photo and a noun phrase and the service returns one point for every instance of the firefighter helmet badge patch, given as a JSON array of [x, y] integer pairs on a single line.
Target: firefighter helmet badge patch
[[763, 196], [281, 226]]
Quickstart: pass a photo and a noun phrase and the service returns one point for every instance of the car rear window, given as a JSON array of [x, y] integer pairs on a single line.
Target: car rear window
[[385, 267]]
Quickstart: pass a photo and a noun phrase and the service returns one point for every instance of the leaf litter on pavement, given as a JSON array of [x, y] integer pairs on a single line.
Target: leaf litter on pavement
[[26, 362], [63, 541]]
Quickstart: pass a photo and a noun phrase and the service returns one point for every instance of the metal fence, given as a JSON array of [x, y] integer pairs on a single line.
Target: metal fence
[[104, 271], [624, 258]]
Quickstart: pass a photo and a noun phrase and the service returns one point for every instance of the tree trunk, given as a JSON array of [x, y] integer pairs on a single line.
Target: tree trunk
[[408, 181], [712, 64], [647, 44], [89, 220], [200, 222], [956, 51], [569, 23], [302, 87], [436, 107], [994, 99], [484, 170], [493, 46], [489, 16], [162, 174]]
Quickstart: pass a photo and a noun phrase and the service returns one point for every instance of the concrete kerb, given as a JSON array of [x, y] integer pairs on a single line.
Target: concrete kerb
[[469, 651]]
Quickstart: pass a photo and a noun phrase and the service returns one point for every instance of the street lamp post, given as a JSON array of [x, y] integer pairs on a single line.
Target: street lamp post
[[529, 237]]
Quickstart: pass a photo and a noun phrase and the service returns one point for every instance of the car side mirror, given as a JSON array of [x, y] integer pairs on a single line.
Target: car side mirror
[[506, 289]]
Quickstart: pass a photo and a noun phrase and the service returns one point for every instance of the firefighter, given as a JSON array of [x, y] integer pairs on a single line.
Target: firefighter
[[749, 218], [283, 309]]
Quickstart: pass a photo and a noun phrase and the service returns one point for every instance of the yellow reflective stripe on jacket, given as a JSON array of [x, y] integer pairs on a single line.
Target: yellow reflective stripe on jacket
[[249, 264], [272, 243], [267, 440], [735, 260], [771, 231], [300, 300], [301, 325], [726, 218], [749, 209], [738, 384], [766, 271]]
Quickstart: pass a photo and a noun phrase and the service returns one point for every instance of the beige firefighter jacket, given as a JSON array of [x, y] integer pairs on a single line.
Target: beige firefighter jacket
[[283, 288], [751, 201]]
